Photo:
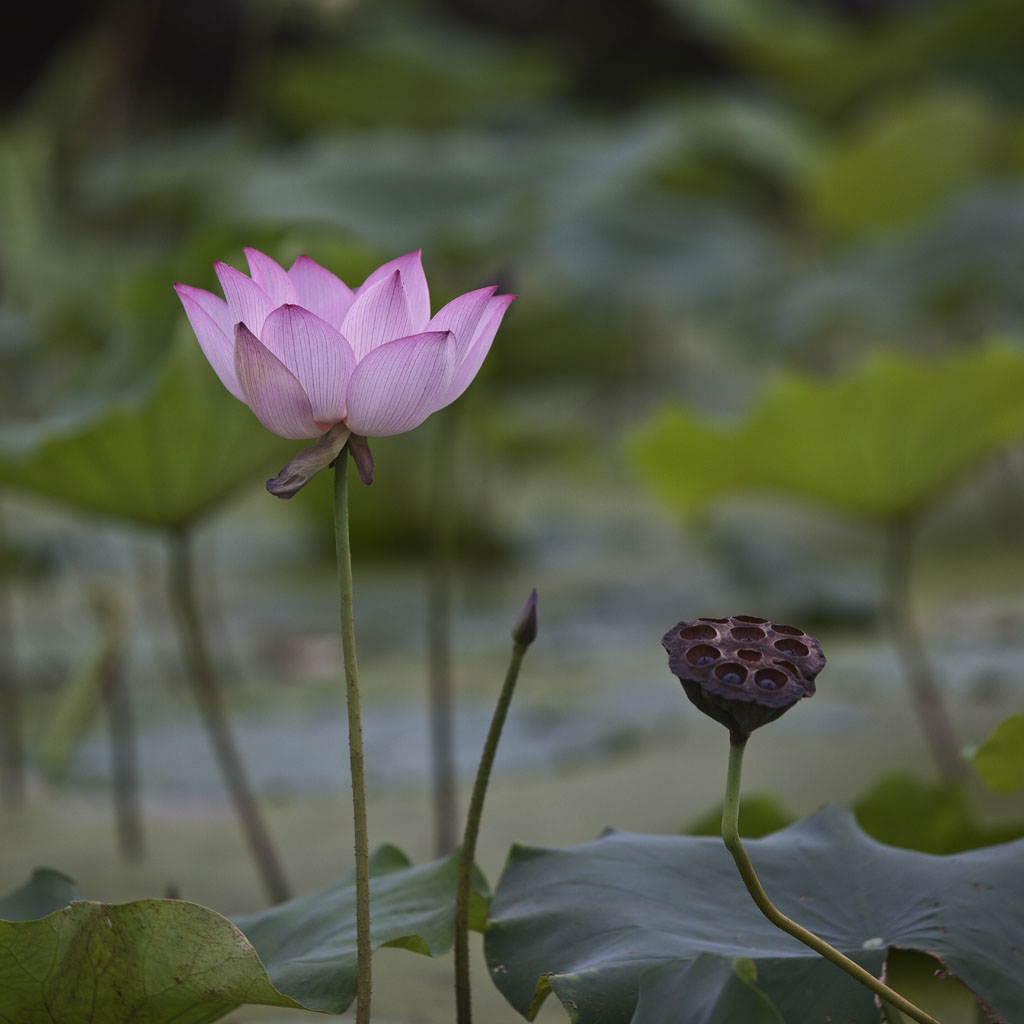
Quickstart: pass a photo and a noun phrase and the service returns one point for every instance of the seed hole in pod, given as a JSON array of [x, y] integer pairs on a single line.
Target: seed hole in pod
[[747, 633], [788, 630], [770, 679], [788, 666], [791, 646], [705, 619], [747, 618], [731, 673], [748, 655], [698, 633], [702, 654]]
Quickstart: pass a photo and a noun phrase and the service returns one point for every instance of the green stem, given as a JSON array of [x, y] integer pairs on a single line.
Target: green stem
[[355, 739], [208, 696], [731, 838], [467, 855]]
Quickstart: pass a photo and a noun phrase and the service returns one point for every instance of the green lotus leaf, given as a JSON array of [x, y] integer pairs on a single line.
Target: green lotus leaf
[[1000, 759], [149, 961], [905, 160], [588, 921], [152, 961], [713, 989], [161, 456], [877, 443], [309, 944]]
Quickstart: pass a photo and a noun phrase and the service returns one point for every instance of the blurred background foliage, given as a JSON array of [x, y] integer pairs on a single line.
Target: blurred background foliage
[[693, 198]]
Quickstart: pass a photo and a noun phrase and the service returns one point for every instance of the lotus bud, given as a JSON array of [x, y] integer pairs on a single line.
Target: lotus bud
[[524, 632]]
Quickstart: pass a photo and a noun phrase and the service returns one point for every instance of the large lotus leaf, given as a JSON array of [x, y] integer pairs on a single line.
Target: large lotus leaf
[[309, 944], [152, 961], [587, 922], [1000, 759], [879, 442], [148, 962], [160, 458], [713, 989]]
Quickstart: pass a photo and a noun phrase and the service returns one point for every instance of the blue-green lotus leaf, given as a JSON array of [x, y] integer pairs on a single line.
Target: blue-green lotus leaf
[[587, 922]]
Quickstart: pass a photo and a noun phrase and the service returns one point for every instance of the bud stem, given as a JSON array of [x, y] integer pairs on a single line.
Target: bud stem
[[467, 854], [731, 838], [355, 741]]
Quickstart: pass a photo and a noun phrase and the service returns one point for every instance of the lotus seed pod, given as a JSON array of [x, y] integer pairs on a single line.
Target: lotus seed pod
[[743, 672]]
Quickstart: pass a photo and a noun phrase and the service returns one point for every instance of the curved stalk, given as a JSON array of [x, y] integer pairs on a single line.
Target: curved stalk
[[926, 694], [731, 838], [522, 636], [355, 739], [215, 717]]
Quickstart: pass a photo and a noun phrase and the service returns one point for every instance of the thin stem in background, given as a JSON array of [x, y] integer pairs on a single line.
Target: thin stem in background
[[522, 636], [731, 838], [121, 726], [343, 545], [440, 584], [926, 694], [12, 747], [215, 717]]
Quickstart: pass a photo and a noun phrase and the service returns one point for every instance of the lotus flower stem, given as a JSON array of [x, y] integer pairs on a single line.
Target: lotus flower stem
[[523, 634], [440, 573], [731, 838], [355, 739], [926, 694], [215, 717]]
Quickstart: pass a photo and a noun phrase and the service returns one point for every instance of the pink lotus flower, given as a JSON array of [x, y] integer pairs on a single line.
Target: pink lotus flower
[[313, 358]]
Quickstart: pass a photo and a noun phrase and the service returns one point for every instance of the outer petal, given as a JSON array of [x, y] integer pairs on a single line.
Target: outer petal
[[318, 356], [320, 291], [397, 386], [248, 302], [270, 276], [462, 317], [471, 362], [270, 389], [410, 266], [378, 315], [211, 321]]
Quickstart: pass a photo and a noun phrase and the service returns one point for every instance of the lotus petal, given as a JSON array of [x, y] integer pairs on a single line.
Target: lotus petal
[[320, 291], [270, 276], [471, 362], [397, 386], [410, 266], [271, 389], [248, 302], [462, 317], [378, 315], [211, 321], [318, 356]]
